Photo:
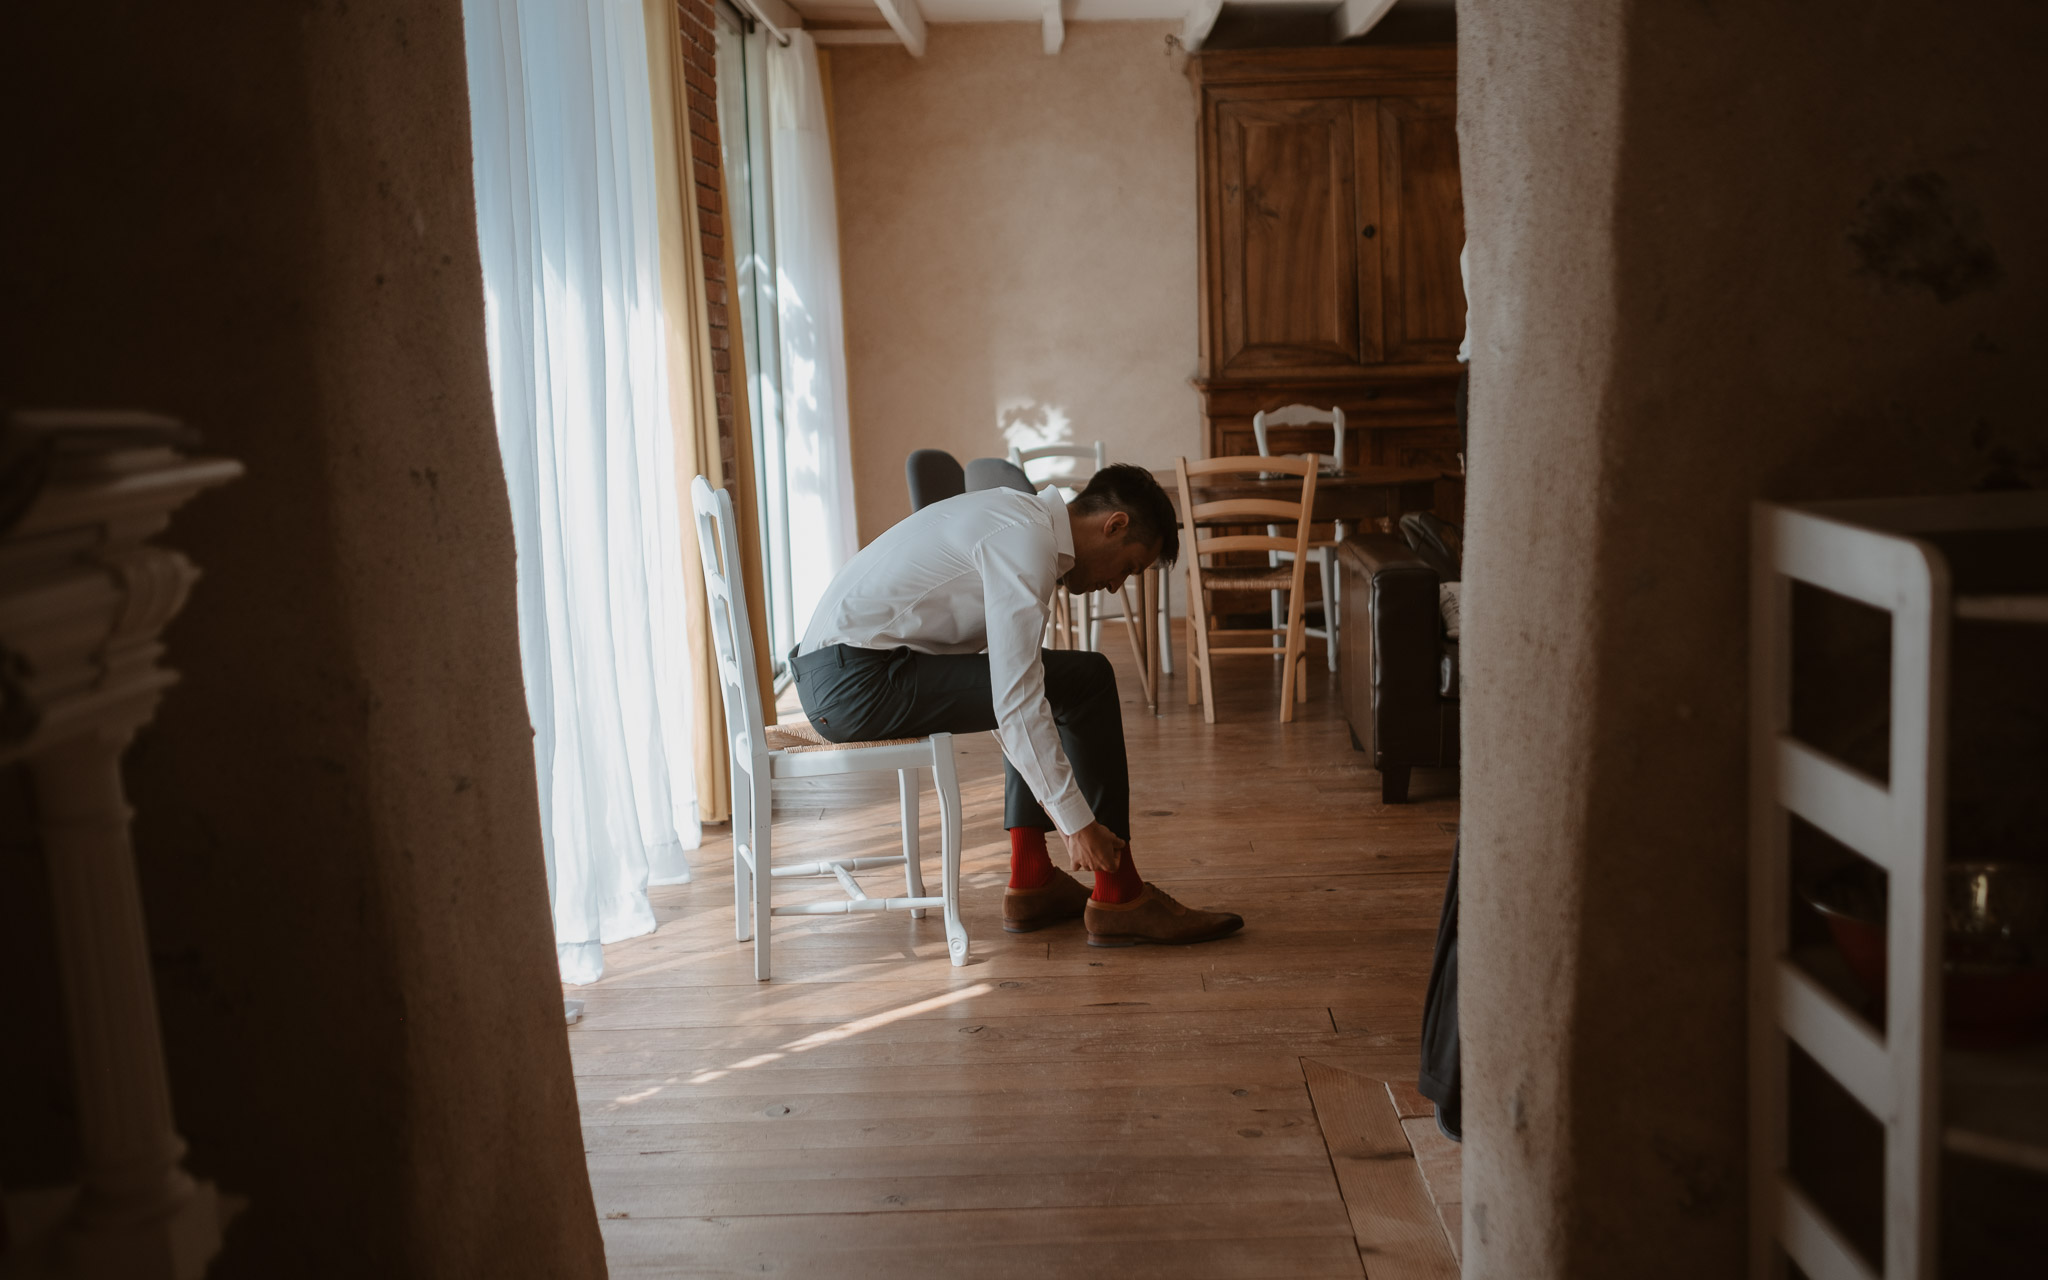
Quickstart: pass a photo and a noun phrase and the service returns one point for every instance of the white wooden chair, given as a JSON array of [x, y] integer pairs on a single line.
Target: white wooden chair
[[762, 753], [1322, 553], [1202, 647], [1092, 615]]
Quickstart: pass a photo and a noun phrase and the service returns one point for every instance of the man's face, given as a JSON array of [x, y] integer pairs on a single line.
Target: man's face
[[1108, 561]]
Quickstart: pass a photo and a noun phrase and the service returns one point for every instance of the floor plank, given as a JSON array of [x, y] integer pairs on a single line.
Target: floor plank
[[1049, 1108], [1400, 1235], [1170, 1242]]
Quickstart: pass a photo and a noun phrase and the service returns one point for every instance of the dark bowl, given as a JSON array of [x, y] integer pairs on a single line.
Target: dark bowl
[[1995, 946]]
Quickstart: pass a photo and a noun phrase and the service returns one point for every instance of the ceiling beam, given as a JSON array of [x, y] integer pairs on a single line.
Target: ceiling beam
[[1055, 28], [1199, 20], [1354, 18], [855, 35], [908, 19]]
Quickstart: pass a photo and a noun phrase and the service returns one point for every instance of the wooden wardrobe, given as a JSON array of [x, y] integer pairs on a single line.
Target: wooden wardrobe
[[1331, 222]]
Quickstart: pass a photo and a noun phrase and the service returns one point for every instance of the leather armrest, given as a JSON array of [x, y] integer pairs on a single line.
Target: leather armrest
[[1390, 650], [1374, 553]]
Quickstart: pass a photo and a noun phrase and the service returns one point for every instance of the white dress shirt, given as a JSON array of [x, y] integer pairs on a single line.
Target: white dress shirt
[[973, 572]]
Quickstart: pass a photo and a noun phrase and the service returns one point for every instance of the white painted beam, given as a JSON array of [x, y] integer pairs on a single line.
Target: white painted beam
[[1200, 19], [1055, 28], [1354, 18], [857, 35], [908, 20]]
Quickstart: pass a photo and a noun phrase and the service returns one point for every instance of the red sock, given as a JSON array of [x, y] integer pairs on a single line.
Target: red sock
[[1030, 866], [1120, 885]]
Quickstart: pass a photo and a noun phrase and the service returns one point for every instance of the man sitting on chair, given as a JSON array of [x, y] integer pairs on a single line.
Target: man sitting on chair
[[935, 627]]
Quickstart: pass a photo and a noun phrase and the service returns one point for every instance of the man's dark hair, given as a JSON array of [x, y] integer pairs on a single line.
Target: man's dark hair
[[1133, 491]]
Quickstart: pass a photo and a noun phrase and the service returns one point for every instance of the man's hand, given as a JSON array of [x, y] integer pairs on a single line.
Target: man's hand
[[1095, 848]]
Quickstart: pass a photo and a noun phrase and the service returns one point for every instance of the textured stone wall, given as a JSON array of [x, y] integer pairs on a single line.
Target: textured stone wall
[[1717, 252], [1018, 239], [259, 217]]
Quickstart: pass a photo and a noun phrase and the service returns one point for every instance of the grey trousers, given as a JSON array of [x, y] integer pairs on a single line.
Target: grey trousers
[[858, 695]]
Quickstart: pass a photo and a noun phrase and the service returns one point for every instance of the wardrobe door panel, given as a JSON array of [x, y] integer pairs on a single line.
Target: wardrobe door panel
[[1422, 228], [1288, 214]]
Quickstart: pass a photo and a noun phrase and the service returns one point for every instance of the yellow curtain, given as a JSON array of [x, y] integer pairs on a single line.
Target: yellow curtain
[[693, 402]]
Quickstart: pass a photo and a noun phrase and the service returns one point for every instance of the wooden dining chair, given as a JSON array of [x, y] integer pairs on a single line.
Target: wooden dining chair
[[1322, 551], [1273, 512]]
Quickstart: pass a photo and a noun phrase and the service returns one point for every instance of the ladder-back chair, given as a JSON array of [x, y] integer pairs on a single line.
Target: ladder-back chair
[[1068, 632], [1323, 553], [1287, 577], [1092, 611], [762, 753]]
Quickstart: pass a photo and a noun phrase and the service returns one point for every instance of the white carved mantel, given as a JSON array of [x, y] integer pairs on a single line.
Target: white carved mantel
[[83, 599]]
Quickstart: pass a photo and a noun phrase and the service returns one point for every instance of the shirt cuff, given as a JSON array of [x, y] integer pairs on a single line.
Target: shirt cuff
[[1070, 813]]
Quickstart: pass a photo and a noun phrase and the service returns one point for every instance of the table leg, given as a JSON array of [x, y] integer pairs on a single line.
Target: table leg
[[1155, 644]]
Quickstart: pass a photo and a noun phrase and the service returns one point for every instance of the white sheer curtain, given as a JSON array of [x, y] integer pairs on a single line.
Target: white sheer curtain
[[562, 133], [818, 452]]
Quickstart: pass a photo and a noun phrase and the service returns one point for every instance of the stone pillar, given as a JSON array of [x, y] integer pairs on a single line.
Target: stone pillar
[[1718, 252]]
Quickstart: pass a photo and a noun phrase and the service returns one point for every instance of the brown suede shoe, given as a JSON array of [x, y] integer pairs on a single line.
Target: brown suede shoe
[[1155, 918], [1058, 899]]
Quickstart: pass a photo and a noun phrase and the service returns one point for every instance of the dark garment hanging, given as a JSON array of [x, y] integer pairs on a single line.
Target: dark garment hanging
[[1441, 1080]]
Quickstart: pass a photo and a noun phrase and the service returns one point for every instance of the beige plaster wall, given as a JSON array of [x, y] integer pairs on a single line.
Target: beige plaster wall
[[1717, 252], [1018, 247], [259, 217]]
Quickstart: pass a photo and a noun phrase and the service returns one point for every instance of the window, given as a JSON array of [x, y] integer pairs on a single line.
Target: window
[[743, 128]]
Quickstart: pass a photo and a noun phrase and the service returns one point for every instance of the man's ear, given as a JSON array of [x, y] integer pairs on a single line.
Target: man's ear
[[1115, 526]]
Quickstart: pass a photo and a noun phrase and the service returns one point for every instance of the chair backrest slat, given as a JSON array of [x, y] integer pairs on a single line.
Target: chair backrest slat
[[1303, 415], [1223, 508], [1239, 510], [1245, 542], [732, 635], [1094, 453]]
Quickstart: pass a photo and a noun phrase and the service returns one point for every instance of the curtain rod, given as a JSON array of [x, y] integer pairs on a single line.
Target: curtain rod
[[754, 9]]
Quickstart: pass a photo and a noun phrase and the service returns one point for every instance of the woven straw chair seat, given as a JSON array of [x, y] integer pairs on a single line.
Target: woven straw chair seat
[[1279, 577], [797, 735]]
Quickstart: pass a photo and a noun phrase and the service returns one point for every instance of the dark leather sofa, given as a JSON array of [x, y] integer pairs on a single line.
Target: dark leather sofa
[[1397, 671]]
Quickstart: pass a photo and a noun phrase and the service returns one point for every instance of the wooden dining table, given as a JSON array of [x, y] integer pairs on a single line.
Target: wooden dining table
[[1353, 495]]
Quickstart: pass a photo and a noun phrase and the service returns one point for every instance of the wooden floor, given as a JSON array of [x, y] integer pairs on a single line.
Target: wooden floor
[[1049, 1110]]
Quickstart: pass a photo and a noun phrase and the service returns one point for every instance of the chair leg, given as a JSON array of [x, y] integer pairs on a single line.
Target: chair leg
[[1329, 606], [913, 867], [1135, 629], [947, 783], [1165, 623], [1198, 652], [1394, 783], [764, 880], [1294, 685], [743, 838], [1287, 681]]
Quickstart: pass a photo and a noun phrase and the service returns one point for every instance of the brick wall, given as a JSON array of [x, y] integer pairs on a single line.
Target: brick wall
[[700, 69]]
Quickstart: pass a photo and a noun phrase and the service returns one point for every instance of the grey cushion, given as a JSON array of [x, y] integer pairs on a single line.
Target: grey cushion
[[934, 476], [996, 473]]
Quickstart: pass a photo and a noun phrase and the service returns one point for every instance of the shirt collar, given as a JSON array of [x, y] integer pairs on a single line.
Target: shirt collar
[[1062, 526]]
